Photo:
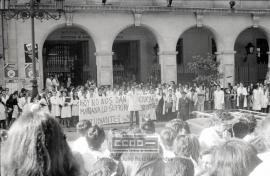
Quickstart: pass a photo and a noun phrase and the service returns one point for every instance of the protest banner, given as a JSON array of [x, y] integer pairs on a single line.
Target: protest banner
[[114, 110]]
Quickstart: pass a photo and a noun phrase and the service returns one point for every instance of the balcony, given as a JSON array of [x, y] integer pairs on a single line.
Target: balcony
[[241, 6]]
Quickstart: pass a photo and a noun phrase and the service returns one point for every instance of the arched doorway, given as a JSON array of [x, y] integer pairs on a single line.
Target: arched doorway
[[135, 56], [193, 42], [251, 58], [69, 52]]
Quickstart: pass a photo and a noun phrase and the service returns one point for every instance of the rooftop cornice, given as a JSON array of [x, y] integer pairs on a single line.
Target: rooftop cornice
[[152, 9]]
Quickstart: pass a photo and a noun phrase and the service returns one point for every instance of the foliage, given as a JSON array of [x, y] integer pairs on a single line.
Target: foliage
[[206, 69]]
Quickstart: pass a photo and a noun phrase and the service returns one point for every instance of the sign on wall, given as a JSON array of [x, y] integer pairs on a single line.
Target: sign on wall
[[29, 70], [114, 110], [28, 53], [11, 71]]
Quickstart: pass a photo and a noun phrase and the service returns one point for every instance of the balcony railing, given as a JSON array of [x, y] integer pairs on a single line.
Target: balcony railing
[[242, 6]]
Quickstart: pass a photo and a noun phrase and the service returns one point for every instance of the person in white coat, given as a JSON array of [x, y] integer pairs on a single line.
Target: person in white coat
[[264, 99], [256, 99], [66, 109], [219, 98], [75, 109], [55, 82], [55, 102], [241, 96], [49, 83], [133, 105], [2, 112]]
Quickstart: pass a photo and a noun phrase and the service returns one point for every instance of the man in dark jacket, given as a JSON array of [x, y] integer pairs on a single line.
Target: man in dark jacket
[[183, 107]]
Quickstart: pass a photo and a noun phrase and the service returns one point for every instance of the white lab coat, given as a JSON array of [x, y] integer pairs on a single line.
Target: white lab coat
[[49, 84], [55, 110], [66, 108], [75, 108], [219, 99], [257, 100], [243, 91], [2, 112], [133, 101], [264, 99]]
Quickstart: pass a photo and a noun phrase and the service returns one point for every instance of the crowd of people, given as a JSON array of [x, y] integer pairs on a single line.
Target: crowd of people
[[36, 145], [62, 100]]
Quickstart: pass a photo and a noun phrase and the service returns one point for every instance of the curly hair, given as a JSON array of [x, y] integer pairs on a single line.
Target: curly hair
[[179, 126], [183, 146], [167, 136], [36, 145]]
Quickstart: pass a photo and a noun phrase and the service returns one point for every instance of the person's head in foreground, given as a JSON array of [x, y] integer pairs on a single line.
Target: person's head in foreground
[[103, 167], [234, 158], [95, 137], [180, 126], [263, 130], [179, 167], [184, 146], [36, 146], [167, 136], [83, 126], [148, 127], [205, 162]]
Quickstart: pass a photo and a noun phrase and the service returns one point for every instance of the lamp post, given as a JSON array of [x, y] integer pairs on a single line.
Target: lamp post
[[32, 10]]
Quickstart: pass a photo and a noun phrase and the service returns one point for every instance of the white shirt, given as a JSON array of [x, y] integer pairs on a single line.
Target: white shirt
[[49, 84], [133, 101], [219, 99], [55, 82], [263, 168], [80, 145], [210, 138], [90, 157], [241, 90]]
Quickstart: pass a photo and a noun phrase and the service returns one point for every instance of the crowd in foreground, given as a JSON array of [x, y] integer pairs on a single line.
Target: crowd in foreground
[[35, 145]]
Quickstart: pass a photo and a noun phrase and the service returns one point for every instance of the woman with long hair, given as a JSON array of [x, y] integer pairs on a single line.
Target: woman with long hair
[[234, 158], [36, 146]]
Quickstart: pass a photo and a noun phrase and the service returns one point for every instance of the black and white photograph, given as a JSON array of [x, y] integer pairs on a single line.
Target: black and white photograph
[[134, 88]]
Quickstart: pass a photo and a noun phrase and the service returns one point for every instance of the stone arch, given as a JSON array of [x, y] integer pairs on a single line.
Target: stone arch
[[251, 65], [194, 41], [62, 25], [85, 52], [136, 52], [217, 36], [158, 37]]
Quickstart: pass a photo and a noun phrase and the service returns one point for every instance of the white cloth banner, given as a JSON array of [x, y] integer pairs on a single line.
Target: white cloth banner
[[114, 110]]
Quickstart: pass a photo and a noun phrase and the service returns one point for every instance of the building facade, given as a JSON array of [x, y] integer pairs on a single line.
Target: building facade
[[140, 40]]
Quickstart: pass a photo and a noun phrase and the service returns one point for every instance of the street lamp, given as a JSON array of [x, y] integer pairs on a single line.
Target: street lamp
[[32, 10]]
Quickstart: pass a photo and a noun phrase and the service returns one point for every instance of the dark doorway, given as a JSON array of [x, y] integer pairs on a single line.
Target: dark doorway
[[126, 61], [64, 59]]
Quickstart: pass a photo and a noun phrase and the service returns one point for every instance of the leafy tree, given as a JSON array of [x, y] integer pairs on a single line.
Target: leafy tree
[[206, 69]]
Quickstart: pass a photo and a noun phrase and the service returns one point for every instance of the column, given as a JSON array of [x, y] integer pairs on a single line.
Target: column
[[167, 61], [227, 67], [104, 68], [268, 70], [2, 72], [268, 53]]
